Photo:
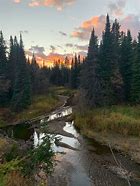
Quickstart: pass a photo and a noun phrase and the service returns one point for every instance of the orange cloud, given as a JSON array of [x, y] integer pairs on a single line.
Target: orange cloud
[[83, 32], [17, 1], [58, 4]]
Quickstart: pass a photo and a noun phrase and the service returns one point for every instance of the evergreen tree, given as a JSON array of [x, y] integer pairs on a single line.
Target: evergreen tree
[[75, 73], [116, 78], [4, 82], [3, 59], [105, 67], [34, 73], [12, 62], [126, 61], [56, 75], [90, 82], [135, 83], [22, 92]]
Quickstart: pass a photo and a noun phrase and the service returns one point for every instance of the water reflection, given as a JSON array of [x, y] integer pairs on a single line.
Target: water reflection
[[59, 114]]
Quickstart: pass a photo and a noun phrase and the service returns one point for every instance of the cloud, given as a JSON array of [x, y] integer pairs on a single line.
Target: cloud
[[58, 4], [131, 22], [81, 47], [51, 58], [76, 46], [37, 49], [24, 31], [62, 33], [70, 45], [83, 32], [117, 8], [17, 1], [83, 54], [53, 48]]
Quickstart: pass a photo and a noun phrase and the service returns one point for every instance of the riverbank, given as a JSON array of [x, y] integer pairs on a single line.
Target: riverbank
[[41, 104], [13, 151], [118, 126]]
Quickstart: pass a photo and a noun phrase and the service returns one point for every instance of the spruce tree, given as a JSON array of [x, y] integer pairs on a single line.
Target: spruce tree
[[3, 59], [105, 67], [12, 62], [4, 82], [75, 73], [135, 83], [22, 91], [90, 82], [34, 73], [126, 61], [116, 78]]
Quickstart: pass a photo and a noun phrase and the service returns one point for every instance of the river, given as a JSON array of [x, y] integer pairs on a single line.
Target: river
[[80, 161]]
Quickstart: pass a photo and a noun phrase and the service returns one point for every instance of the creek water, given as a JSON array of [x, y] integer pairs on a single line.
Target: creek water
[[90, 164]]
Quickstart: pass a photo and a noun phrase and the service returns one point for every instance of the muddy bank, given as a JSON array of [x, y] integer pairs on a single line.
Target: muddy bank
[[127, 145]]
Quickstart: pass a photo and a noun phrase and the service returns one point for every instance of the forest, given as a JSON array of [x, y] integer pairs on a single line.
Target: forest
[[109, 75]]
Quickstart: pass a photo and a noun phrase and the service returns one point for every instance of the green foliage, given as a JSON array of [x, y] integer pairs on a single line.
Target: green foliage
[[41, 156], [10, 166], [13, 153]]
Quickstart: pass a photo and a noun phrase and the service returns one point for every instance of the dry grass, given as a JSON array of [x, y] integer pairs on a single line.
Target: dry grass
[[123, 120], [15, 178], [3, 145], [40, 105]]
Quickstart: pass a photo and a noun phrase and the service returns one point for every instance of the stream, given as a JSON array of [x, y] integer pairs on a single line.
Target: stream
[[80, 161]]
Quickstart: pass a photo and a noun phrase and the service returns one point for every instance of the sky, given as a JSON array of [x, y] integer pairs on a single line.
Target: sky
[[56, 28]]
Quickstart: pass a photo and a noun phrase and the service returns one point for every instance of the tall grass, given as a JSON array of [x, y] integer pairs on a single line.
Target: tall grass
[[40, 105], [123, 120]]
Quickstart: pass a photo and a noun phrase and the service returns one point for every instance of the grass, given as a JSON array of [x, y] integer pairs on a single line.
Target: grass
[[63, 91], [2, 122], [11, 175], [122, 120], [40, 105]]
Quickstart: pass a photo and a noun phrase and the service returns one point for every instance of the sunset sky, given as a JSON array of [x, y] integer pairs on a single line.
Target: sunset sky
[[60, 27]]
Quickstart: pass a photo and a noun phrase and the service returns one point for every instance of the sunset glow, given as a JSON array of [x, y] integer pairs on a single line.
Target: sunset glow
[[48, 27]]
